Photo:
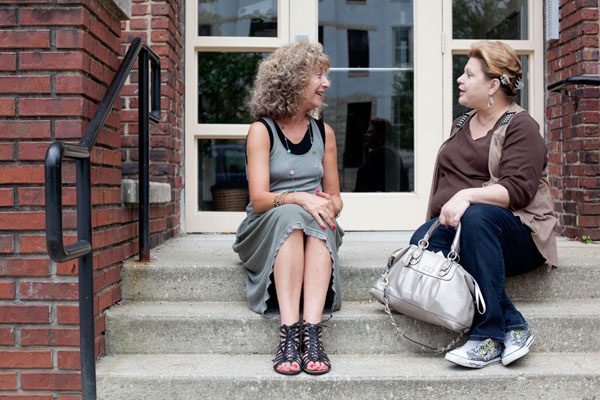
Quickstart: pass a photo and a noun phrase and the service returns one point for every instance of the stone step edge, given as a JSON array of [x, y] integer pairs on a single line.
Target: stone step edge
[[350, 309], [208, 366]]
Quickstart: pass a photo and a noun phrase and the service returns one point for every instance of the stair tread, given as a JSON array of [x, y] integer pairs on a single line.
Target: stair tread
[[360, 249], [350, 309], [355, 367]]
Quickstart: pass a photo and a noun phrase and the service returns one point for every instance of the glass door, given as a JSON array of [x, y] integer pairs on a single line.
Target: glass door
[[385, 102]]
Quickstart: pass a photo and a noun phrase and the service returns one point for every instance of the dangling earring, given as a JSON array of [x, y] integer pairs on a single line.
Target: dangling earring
[[490, 102]]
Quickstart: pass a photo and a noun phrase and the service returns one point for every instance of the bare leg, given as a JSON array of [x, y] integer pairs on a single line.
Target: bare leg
[[317, 275], [287, 273]]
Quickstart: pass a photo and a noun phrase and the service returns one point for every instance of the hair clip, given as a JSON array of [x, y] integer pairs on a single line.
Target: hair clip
[[519, 85], [504, 79]]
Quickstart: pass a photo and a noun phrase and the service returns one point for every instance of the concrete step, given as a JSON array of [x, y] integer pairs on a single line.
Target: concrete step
[[359, 328], [204, 268], [187, 376]]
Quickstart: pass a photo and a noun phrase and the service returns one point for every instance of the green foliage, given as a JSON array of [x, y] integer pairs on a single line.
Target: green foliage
[[224, 84], [586, 239]]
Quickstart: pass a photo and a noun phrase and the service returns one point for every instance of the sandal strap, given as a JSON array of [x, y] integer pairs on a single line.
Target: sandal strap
[[313, 346], [289, 345]]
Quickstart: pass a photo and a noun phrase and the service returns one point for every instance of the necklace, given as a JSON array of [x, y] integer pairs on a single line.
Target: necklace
[[314, 154]]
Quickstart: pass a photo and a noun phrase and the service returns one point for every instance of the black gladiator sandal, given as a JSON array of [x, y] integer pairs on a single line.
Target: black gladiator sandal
[[312, 348], [289, 348]]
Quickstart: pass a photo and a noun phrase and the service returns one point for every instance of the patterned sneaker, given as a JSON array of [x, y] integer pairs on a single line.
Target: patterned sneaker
[[516, 345], [476, 353]]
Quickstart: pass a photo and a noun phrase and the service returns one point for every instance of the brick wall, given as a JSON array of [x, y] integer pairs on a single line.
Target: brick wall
[[57, 58], [160, 24], [574, 135]]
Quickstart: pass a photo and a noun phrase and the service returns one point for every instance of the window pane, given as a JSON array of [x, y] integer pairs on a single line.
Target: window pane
[[237, 18], [489, 19], [222, 183], [458, 65], [370, 103], [224, 84]]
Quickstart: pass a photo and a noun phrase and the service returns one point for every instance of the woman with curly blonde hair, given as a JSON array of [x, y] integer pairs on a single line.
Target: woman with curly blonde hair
[[289, 240]]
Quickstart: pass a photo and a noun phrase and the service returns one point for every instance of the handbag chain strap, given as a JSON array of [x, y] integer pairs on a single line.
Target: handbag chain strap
[[386, 304]]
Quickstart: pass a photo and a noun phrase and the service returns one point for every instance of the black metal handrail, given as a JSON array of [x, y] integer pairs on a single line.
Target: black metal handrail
[[560, 86], [58, 252]]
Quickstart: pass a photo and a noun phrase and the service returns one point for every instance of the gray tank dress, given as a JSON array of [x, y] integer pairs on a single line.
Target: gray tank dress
[[260, 235]]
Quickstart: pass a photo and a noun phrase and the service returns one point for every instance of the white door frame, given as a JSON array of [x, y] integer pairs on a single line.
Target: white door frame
[[362, 211]]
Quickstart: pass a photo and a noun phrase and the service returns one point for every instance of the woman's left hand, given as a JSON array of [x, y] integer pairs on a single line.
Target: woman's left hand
[[454, 209]]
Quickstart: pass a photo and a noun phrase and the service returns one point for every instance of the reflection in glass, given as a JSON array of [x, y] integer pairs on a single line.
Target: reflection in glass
[[489, 19], [458, 66], [237, 18], [224, 84], [370, 104], [222, 183]]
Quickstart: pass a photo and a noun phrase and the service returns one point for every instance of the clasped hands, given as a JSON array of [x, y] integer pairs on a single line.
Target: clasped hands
[[321, 207]]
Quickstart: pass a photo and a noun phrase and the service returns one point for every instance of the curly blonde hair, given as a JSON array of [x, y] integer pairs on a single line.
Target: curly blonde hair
[[499, 58], [282, 78]]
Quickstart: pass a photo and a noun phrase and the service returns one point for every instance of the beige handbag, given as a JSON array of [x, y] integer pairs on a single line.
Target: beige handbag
[[430, 287]]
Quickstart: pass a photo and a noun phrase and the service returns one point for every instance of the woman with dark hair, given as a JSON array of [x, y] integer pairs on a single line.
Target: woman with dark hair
[[490, 176], [289, 240]]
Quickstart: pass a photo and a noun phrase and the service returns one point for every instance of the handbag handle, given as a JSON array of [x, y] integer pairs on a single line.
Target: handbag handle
[[454, 248]]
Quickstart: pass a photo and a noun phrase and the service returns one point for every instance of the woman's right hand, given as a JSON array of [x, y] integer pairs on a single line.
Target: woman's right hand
[[320, 208]]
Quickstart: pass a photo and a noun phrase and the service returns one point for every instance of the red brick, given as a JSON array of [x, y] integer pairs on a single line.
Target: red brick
[[7, 107], [27, 396], [8, 17], [67, 397], [33, 151], [7, 336], [36, 107], [68, 359], [68, 315], [25, 359], [24, 266], [38, 129], [6, 246], [7, 151], [55, 61], [11, 314], [50, 381], [7, 290], [53, 16], [28, 220], [48, 290], [72, 128], [8, 61], [31, 196], [25, 84], [588, 221], [78, 84], [6, 200], [32, 244], [49, 337], [8, 381], [67, 268], [21, 174], [18, 39]]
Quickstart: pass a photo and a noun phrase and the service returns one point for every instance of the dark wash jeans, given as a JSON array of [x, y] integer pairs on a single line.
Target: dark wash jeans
[[494, 244]]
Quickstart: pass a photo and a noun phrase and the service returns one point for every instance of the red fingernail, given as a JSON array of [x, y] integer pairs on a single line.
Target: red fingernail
[[333, 226], [317, 190], [323, 226]]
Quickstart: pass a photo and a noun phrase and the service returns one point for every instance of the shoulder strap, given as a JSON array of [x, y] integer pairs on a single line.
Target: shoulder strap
[[268, 123], [461, 121]]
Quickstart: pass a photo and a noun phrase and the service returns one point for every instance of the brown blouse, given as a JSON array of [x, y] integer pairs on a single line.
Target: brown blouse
[[463, 162]]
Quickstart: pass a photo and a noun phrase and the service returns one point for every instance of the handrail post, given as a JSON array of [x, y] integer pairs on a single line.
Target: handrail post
[[86, 282], [144, 156]]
